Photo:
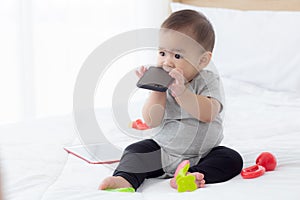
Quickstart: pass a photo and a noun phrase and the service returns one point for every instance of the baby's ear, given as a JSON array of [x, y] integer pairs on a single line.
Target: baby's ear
[[205, 59]]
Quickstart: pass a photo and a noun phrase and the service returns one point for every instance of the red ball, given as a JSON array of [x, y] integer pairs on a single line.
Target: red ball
[[267, 160]]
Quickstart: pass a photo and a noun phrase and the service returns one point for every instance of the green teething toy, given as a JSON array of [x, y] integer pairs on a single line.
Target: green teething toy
[[129, 189], [184, 182]]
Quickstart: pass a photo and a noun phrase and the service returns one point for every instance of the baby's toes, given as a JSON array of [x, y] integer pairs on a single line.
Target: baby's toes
[[198, 176], [200, 184]]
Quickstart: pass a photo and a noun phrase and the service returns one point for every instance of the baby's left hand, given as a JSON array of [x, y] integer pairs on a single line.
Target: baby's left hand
[[177, 87]]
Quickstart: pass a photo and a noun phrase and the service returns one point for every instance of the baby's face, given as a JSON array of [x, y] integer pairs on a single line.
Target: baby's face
[[177, 50]]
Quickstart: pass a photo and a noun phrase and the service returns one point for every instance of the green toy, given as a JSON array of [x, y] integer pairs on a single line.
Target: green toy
[[185, 183], [129, 189]]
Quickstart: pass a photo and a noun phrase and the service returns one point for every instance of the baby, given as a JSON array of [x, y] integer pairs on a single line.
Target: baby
[[187, 114]]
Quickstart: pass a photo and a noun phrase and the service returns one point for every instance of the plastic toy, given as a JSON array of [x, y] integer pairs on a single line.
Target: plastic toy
[[267, 160], [264, 162], [253, 171], [129, 189], [185, 183], [139, 125]]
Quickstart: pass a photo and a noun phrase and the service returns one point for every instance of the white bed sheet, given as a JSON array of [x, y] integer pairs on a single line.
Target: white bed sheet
[[35, 166]]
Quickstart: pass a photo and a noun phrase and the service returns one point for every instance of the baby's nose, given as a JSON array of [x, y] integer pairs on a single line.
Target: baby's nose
[[168, 62]]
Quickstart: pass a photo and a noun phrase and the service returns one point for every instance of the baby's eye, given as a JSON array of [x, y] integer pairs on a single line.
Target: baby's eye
[[177, 56], [162, 53]]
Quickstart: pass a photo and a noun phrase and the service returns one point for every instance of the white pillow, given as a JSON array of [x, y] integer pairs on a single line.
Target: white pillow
[[260, 47]]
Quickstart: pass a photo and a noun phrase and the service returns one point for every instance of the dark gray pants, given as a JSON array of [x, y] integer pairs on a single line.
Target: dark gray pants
[[142, 160]]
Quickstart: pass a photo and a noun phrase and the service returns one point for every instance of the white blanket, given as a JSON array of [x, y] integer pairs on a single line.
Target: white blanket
[[34, 165]]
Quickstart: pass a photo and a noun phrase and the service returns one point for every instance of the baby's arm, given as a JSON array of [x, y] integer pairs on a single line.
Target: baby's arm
[[154, 107], [201, 107]]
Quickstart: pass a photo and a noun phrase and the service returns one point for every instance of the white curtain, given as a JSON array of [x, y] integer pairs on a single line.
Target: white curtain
[[43, 44]]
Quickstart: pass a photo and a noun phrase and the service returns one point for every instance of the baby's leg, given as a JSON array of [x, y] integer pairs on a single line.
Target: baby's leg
[[200, 182], [220, 164], [140, 160]]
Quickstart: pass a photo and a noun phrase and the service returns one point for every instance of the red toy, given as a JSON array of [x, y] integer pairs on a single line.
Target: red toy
[[264, 162], [139, 124]]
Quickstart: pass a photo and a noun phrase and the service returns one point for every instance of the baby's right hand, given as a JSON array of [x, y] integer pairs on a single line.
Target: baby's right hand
[[140, 71]]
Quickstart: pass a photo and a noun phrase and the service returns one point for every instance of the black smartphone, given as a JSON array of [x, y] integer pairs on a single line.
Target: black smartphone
[[155, 78]]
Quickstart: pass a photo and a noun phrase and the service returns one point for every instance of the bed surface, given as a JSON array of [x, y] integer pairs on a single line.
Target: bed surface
[[35, 166], [258, 118]]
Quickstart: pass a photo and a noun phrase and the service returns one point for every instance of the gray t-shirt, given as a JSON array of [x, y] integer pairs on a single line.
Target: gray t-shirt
[[183, 137]]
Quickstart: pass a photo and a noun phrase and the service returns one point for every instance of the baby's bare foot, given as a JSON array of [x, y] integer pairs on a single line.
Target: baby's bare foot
[[114, 182], [200, 182]]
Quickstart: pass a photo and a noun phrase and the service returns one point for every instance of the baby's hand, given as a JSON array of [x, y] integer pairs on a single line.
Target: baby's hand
[[141, 71], [177, 87]]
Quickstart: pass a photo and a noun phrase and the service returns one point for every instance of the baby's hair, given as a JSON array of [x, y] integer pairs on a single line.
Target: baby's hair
[[195, 23]]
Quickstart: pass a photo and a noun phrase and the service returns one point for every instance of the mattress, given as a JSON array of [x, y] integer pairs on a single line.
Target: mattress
[[34, 165]]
